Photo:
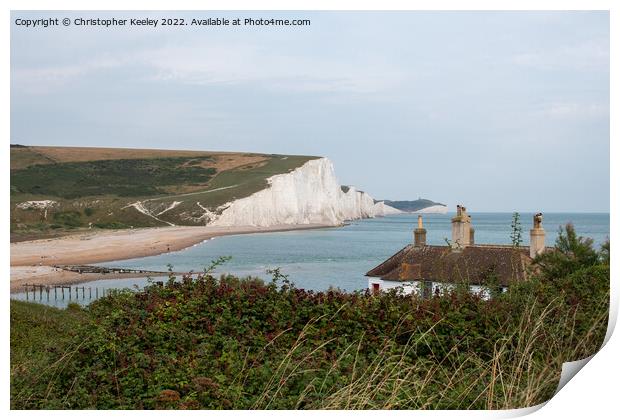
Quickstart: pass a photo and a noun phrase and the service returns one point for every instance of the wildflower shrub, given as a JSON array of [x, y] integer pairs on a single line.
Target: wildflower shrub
[[225, 343]]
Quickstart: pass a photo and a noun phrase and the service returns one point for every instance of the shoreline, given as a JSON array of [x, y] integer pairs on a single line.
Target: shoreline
[[33, 261]]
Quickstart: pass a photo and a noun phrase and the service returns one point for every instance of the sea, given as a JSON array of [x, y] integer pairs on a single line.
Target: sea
[[318, 259]]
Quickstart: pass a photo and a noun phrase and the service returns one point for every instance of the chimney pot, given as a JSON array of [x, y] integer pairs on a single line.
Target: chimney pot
[[461, 227], [537, 236], [419, 234]]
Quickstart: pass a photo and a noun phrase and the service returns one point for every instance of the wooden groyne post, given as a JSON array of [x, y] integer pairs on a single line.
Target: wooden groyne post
[[32, 289]]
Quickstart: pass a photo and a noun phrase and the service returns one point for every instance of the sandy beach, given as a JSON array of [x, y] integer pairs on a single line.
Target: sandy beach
[[33, 261]]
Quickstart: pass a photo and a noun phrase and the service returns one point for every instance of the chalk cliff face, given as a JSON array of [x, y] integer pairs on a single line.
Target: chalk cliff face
[[307, 195], [438, 209]]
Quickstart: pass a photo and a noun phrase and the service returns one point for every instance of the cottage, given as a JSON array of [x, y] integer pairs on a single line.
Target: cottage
[[428, 269]]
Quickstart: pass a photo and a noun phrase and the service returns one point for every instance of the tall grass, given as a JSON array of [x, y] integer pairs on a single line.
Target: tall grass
[[523, 371]]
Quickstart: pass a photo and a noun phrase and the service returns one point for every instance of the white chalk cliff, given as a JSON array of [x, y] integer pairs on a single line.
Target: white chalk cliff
[[310, 194], [437, 209]]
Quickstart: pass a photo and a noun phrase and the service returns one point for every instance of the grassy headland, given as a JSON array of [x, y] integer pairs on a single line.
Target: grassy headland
[[412, 206], [79, 187], [231, 343]]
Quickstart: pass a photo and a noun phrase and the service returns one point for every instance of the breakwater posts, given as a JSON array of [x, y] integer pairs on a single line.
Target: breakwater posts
[[36, 292], [83, 269]]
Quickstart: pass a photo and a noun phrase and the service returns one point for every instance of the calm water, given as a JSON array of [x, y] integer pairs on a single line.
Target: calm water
[[320, 258]]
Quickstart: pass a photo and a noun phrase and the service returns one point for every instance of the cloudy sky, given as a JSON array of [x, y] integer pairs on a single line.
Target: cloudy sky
[[499, 111]]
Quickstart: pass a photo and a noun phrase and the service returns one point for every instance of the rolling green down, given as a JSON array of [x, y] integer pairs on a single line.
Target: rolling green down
[[240, 343], [60, 189], [121, 177]]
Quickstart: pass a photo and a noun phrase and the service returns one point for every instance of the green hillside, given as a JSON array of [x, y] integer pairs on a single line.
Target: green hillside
[[55, 189], [411, 206]]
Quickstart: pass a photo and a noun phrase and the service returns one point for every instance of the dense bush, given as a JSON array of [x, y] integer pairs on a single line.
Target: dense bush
[[231, 343], [68, 219], [570, 254], [121, 177], [111, 225]]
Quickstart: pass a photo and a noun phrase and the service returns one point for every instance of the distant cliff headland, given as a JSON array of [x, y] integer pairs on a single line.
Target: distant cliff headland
[[420, 205]]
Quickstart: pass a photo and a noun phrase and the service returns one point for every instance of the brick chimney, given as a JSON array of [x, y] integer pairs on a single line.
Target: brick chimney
[[537, 236], [461, 228], [419, 234]]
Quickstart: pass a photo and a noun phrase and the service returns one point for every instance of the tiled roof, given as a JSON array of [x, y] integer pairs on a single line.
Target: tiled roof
[[473, 264]]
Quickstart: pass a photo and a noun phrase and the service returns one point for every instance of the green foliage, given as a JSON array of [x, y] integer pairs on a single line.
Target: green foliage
[[42, 337], [605, 253], [224, 343], [120, 177], [69, 219], [89, 211], [74, 306], [571, 253], [517, 230], [493, 285], [277, 276], [111, 225], [216, 263]]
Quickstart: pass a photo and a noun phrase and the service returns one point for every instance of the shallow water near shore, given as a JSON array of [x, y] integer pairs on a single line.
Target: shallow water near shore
[[338, 257]]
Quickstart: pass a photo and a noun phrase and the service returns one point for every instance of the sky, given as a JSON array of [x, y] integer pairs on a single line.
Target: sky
[[499, 111]]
